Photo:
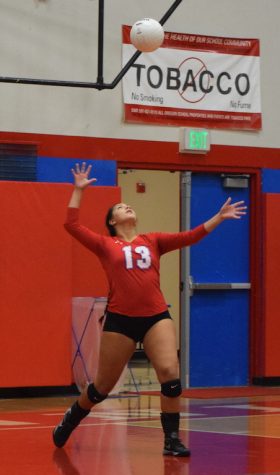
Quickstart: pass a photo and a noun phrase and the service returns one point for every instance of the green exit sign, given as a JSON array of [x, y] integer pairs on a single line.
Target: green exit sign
[[194, 140]]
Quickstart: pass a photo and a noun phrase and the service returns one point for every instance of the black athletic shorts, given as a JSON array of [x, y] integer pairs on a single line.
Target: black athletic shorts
[[133, 327]]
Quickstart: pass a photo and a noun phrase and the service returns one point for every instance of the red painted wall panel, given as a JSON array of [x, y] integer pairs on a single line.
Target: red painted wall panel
[[271, 289], [35, 290], [38, 260]]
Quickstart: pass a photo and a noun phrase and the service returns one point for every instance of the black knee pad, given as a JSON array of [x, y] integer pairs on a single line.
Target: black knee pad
[[93, 395], [171, 388]]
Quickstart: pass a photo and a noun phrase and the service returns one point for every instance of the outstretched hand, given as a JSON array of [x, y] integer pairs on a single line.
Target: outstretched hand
[[81, 176], [232, 211]]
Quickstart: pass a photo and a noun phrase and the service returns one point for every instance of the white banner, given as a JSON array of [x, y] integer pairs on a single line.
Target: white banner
[[194, 80]]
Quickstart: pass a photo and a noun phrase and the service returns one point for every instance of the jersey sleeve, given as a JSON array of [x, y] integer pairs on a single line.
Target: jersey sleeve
[[171, 241], [90, 239]]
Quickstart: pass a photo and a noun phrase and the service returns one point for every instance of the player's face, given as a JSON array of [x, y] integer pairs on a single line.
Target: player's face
[[123, 213]]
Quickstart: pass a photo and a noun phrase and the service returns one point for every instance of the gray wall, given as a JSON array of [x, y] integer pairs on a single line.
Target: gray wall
[[57, 39]]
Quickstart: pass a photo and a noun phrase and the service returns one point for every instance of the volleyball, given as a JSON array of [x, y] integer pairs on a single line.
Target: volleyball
[[147, 35]]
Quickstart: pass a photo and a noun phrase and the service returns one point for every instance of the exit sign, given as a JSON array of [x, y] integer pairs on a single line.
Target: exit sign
[[194, 140]]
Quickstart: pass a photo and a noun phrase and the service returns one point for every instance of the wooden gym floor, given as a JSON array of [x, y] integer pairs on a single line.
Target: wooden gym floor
[[238, 436]]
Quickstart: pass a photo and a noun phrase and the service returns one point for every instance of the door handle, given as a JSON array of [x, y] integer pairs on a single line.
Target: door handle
[[217, 285]]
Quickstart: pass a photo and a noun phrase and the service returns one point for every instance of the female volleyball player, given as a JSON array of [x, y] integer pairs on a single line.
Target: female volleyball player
[[136, 308]]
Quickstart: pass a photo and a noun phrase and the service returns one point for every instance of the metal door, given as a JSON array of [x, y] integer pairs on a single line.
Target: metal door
[[215, 285]]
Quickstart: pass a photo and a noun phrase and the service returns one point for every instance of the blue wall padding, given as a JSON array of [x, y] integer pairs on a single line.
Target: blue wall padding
[[58, 170], [270, 180]]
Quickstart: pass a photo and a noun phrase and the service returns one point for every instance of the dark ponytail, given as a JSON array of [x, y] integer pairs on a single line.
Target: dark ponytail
[[109, 217]]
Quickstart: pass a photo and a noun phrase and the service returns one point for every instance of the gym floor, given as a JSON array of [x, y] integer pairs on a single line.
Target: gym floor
[[227, 436]]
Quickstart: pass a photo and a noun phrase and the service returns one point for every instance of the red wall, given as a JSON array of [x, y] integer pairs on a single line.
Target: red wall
[[146, 153], [271, 288], [41, 268], [265, 353]]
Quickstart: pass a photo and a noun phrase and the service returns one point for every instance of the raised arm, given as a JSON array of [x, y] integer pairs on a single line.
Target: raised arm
[[85, 236], [81, 182], [171, 241], [227, 211]]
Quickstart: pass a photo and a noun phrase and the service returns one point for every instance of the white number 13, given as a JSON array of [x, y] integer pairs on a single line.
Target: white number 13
[[143, 263]]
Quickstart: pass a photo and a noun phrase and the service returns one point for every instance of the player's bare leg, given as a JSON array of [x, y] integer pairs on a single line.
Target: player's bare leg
[[160, 347], [115, 352]]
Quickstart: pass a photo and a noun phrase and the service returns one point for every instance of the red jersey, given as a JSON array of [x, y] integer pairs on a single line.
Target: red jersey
[[132, 268]]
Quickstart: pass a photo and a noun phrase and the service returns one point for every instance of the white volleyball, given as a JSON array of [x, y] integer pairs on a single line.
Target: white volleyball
[[147, 35]]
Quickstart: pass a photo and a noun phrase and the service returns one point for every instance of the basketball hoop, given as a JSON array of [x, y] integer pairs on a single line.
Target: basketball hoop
[[99, 84]]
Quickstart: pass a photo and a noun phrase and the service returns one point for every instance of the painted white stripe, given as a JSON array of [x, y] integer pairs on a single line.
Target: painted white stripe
[[255, 407], [239, 433], [16, 423]]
